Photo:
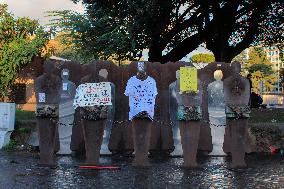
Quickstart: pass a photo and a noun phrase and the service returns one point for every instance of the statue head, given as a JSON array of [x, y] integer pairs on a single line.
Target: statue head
[[236, 68], [65, 74], [91, 68], [48, 67], [103, 73], [218, 75]]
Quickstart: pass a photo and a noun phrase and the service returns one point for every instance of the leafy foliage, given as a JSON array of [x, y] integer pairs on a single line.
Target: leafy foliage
[[171, 29], [281, 74], [20, 40], [260, 68], [202, 57], [10, 146]]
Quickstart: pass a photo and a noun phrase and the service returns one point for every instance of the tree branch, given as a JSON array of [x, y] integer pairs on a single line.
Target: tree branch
[[185, 47]]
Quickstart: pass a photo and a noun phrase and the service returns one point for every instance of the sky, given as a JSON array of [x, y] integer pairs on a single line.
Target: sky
[[36, 9]]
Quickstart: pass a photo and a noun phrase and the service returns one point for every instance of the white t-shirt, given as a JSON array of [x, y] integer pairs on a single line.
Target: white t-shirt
[[142, 95]]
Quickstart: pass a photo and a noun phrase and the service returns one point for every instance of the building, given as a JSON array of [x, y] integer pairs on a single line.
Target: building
[[273, 55]]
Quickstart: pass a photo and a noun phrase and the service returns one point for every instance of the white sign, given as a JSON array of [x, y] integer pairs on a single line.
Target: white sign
[[65, 73], [41, 97], [93, 94], [65, 86]]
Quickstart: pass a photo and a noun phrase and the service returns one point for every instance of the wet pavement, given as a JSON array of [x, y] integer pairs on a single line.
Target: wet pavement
[[20, 170]]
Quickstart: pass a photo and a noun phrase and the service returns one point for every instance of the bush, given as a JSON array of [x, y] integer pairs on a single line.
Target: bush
[[10, 146]]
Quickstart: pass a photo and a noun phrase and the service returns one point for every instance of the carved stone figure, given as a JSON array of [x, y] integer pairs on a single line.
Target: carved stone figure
[[47, 87], [66, 112], [189, 116], [237, 94], [141, 90]]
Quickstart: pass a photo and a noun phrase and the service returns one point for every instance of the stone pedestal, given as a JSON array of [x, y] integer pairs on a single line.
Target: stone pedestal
[[47, 137], [189, 132], [238, 141], [93, 135], [7, 122], [141, 129]]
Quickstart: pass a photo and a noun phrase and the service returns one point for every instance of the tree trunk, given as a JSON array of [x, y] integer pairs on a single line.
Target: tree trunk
[[155, 55]]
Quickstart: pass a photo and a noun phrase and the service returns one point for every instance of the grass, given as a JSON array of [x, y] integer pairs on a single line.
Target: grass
[[23, 130], [24, 115], [10, 146], [267, 116]]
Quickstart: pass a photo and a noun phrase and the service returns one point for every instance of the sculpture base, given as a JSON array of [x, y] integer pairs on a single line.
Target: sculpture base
[[141, 129], [93, 134], [4, 138]]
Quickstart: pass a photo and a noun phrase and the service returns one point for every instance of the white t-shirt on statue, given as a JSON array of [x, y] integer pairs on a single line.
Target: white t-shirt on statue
[[142, 95]]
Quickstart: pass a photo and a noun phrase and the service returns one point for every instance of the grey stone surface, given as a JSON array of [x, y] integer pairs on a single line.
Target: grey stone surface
[[175, 127], [66, 112], [109, 123], [33, 139], [7, 122], [217, 117]]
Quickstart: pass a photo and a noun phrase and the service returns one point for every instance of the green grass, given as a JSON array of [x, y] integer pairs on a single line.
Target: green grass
[[10, 146], [24, 115], [23, 130], [267, 116]]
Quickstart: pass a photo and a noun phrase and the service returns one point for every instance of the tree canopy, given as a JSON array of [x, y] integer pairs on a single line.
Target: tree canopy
[[20, 40], [254, 61], [171, 29]]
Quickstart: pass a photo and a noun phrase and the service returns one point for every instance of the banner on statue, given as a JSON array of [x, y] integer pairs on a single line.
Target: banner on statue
[[93, 94], [188, 79]]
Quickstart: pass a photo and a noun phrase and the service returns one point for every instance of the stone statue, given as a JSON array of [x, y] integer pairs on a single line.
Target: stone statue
[[66, 112], [237, 95], [141, 90], [216, 110], [93, 120], [189, 118], [47, 87]]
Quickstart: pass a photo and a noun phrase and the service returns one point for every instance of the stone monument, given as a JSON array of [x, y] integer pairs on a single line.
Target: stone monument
[[189, 114], [66, 112], [237, 95], [7, 122], [47, 87], [141, 90], [216, 109]]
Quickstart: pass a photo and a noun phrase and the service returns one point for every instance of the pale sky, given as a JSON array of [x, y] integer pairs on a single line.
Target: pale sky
[[35, 8]]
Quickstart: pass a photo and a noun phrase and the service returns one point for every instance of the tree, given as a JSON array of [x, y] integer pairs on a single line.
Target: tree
[[256, 63], [59, 47], [171, 29], [281, 74], [20, 40], [203, 57]]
